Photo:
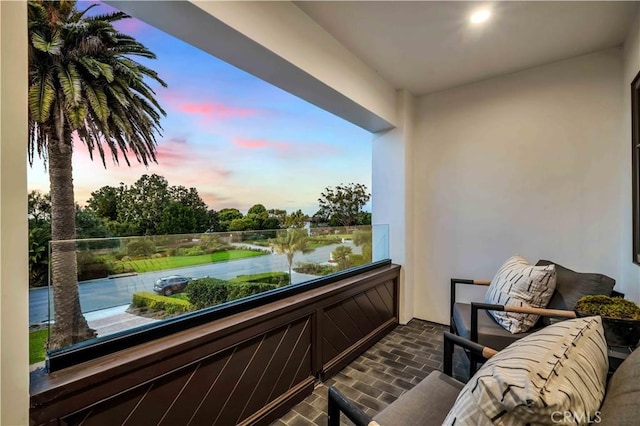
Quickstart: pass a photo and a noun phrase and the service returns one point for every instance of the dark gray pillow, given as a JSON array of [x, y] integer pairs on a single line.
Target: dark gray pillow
[[572, 285]]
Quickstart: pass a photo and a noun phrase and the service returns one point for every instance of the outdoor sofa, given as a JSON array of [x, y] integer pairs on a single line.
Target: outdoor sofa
[[431, 400]]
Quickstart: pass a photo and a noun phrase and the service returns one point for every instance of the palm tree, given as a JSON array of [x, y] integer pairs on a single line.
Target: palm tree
[[83, 82], [289, 243]]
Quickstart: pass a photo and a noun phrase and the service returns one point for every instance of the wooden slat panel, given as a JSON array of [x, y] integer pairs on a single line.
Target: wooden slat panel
[[358, 315], [236, 373], [196, 390], [157, 401], [296, 355], [369, 310], [383, 311], [252, 379]]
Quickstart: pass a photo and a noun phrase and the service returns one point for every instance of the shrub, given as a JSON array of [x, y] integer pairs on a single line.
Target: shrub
[[314, 268], [341, 256], [240, 290], [205, 292], [140, 247], [170, 305]]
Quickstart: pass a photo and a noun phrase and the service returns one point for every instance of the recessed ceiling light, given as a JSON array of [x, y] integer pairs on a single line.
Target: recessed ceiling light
[[480, 16]]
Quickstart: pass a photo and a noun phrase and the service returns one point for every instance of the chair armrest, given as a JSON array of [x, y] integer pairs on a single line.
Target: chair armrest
[[338, 403], [473, 335], [476, 350], [455, 282]]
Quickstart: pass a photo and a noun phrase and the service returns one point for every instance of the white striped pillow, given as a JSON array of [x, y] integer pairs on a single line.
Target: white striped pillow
[[519, 283], [555, 375]]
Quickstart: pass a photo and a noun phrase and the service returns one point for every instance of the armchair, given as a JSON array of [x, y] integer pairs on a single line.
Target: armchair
[[480, 327], [431, 398]]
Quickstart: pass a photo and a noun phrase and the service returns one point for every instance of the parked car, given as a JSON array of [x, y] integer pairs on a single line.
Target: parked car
[[170, 285]]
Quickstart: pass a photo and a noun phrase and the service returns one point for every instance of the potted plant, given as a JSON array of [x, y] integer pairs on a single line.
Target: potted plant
[[620, 318]]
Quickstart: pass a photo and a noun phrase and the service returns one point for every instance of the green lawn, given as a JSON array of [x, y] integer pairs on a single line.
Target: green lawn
[[37, 339], [149, 265]]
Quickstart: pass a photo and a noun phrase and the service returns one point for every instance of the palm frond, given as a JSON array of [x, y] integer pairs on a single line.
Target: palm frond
[[70, 83], [41, 97], [51, 44]]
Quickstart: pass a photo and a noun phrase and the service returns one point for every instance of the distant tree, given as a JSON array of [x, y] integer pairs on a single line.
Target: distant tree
[[342, 204], [177, 218], [364, 218], [290, 242], [106, 201], [225, 216], [214, 225], [243, 224], [279, 215], [295, 219], [143, 203], [258, 209], [89, 225], [256, 217], [39, 207], [197, 208]]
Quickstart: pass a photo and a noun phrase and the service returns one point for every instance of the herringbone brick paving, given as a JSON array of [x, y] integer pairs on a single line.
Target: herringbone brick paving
[[379, 376]]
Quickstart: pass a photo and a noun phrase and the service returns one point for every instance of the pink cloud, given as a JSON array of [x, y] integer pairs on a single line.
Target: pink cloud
[[285, 150], [260, 144], [172, 152], [214, 110]]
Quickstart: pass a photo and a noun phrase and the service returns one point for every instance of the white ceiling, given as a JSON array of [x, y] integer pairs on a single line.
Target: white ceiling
[[430, 46]]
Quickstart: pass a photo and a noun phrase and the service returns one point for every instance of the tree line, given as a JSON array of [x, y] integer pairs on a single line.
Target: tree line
[[151, 206]]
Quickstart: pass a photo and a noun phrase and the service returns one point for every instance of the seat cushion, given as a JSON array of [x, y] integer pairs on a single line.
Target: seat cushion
[[572, 285], [490, 333], [621, 405], [426, 404], [519, 283], [559, 369]]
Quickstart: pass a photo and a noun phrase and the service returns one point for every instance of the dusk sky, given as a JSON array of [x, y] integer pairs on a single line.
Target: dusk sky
[[237, 139]]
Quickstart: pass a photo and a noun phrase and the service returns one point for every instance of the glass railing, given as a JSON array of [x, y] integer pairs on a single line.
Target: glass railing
[[98, 287]]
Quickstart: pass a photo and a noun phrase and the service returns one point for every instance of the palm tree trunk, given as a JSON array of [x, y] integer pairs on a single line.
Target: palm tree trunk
[[70, 325]]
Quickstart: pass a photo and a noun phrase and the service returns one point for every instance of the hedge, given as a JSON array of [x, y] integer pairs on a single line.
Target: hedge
[[170, 305], [205, 292], [278, 278]]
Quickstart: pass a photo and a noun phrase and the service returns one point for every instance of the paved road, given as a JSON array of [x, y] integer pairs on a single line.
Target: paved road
[[105, 293]]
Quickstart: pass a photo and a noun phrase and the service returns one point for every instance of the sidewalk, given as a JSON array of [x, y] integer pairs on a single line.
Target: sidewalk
[[112, 320]]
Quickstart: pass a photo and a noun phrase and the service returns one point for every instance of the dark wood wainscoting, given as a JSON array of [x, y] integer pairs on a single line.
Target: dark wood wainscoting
[[247, 368]]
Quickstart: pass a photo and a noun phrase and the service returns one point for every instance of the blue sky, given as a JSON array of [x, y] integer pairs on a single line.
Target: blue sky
[[237, 139]]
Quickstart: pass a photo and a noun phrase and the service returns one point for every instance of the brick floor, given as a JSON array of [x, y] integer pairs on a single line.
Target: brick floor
[[379, 376]]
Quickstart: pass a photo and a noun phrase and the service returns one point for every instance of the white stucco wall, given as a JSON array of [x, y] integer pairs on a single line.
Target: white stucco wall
[[527, 163], [392, 195], [630, 272], [14, 281]]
